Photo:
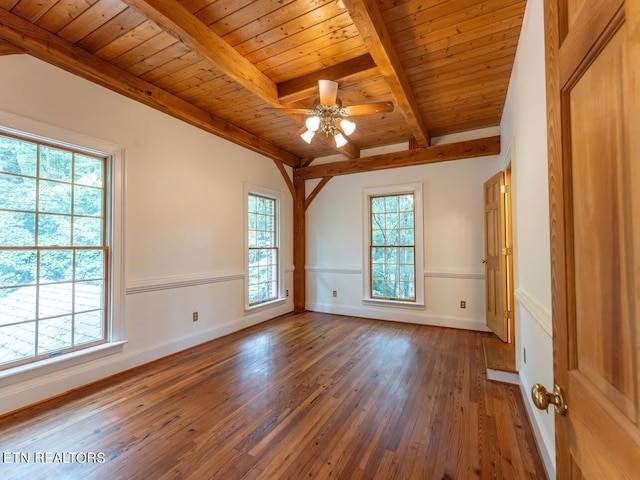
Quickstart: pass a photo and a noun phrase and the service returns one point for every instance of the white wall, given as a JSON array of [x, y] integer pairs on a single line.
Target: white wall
[[453, 242], [524, 143], [183, 232]]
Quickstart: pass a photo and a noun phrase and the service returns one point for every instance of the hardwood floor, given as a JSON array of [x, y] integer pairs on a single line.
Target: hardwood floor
[[302, 396]]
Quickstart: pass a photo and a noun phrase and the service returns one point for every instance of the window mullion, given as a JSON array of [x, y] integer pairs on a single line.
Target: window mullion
[[37, 244], [37, 306]]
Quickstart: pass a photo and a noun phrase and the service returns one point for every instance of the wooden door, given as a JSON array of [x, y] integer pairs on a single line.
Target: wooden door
[[593, 92], [494, 244]]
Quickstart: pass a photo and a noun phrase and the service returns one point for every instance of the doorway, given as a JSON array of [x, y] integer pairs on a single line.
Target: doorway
[[499, 285]]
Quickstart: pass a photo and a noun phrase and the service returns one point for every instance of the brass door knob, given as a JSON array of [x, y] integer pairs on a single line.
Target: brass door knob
[[542, 398]]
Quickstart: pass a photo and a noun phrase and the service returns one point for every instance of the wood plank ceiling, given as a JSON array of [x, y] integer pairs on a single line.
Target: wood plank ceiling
[[223, 65]]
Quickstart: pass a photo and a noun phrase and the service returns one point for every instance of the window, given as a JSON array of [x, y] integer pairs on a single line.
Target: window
[[392, 251], [54, 250], [393, 259], [263, 263]]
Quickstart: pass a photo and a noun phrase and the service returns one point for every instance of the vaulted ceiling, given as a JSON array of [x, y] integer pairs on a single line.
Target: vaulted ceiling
[[226, 65]]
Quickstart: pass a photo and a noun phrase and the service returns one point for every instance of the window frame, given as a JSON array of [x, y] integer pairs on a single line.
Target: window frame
[[414, 189], [277, 197], [113, 234]]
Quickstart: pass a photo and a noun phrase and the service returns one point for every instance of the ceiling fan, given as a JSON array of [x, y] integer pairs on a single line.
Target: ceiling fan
[[329, 117]]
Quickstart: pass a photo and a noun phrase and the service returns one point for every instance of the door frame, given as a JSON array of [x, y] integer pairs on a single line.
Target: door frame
[[510, 260]]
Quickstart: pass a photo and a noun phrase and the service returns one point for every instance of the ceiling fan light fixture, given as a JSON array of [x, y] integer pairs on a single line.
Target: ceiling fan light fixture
[[347, 126], [308, 136], [340, 140], [329, 117], [313, 123]]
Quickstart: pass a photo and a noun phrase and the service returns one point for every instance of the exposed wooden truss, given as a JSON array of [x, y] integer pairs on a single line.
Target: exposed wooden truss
[[419, 156], [220, 64]]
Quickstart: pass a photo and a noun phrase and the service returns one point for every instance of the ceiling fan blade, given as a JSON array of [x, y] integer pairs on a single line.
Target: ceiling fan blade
[[368, 108], [328, 92]]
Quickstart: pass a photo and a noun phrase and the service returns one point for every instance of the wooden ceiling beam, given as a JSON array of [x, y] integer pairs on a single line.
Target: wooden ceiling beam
[[188, 28], [368, 20], [440, 153], [7, 48], [56, 51], [306, 86]]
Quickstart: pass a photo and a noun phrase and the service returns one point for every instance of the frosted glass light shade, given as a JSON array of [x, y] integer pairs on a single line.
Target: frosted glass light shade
[[313, 123], [308, 136], [347, 126], [340, 140]]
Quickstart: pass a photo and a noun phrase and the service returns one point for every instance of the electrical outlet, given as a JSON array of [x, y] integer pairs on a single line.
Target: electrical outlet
[[195, 316], [287, 293], [463, 304], [334, 293]]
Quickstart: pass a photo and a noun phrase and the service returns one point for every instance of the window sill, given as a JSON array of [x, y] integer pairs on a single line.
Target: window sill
[[394, 304], [264, 306], [50, 365]]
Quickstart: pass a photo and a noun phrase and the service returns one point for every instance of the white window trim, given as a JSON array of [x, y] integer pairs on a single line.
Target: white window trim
[[24, 127], [278, 197], [367, 193]]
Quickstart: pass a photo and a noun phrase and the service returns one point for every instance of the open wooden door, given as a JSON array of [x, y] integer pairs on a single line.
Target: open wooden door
[[593, 92], [497, 313]]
